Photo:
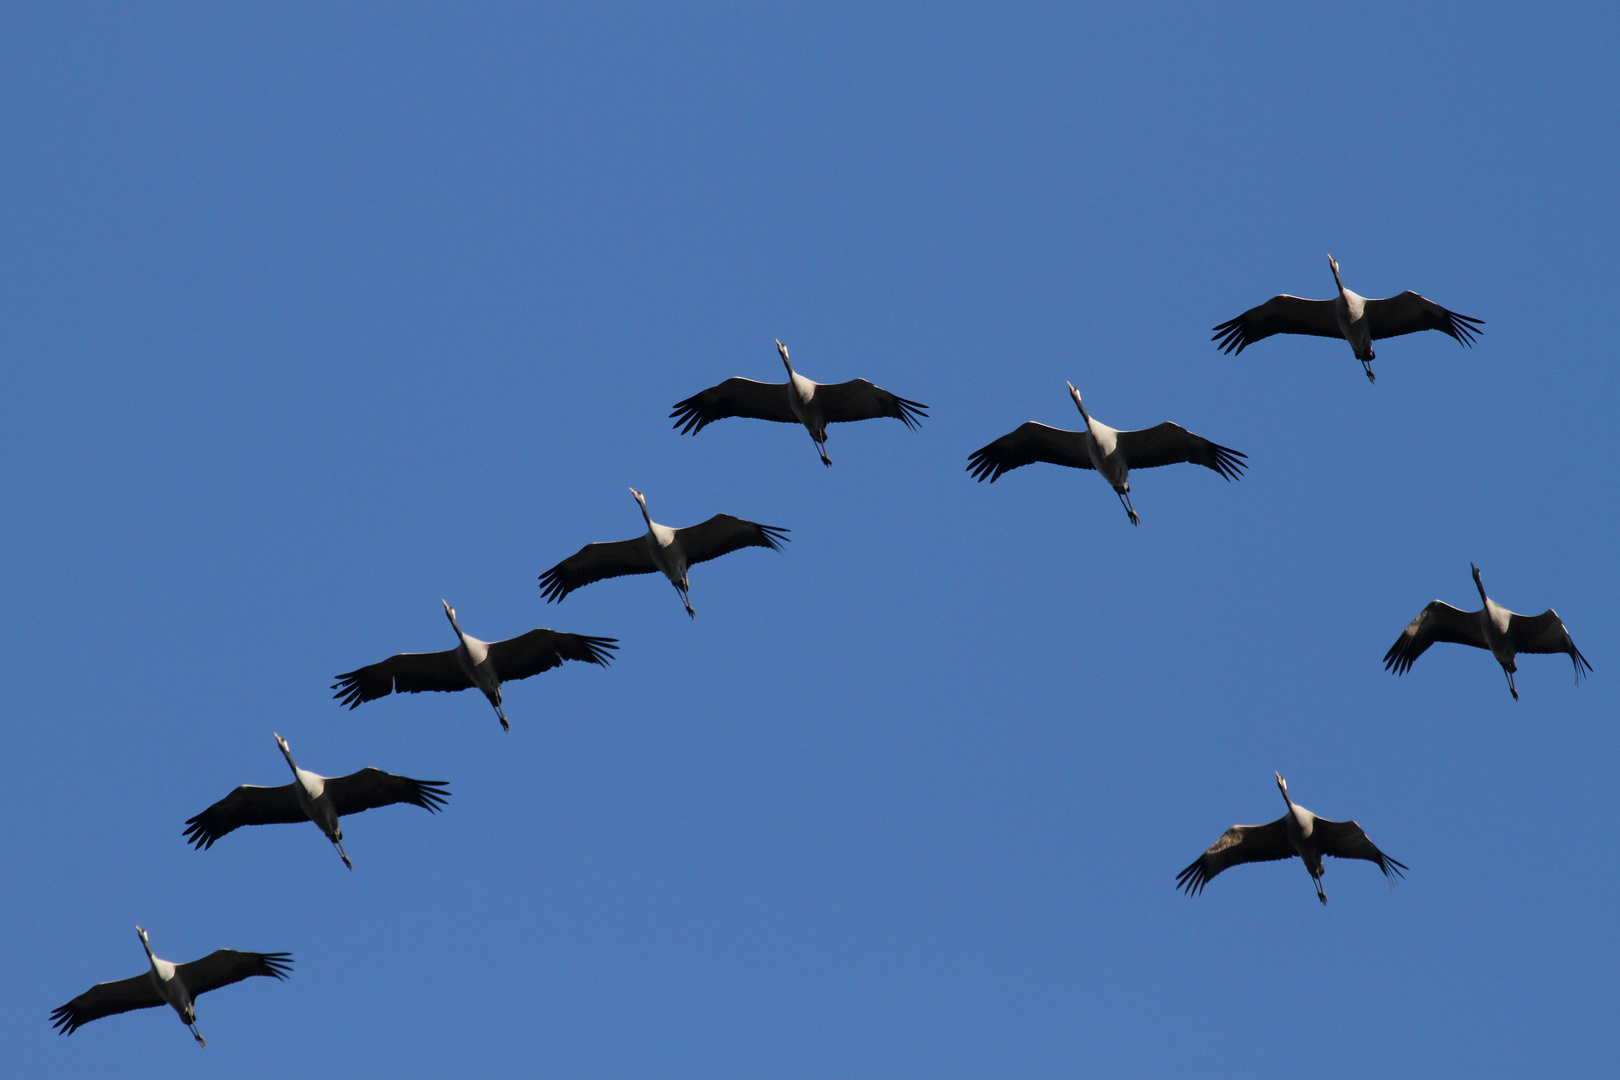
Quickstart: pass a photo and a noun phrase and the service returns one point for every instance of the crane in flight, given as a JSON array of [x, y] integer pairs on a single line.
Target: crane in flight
[[1494, 627], [1298, 832], [1354, 318], [312, 797], [661, 550], [164, 983], [472, 663], [1112, 453], [797, 401]]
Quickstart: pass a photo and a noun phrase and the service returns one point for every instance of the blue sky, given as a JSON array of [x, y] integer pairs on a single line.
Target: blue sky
[[314, 316]]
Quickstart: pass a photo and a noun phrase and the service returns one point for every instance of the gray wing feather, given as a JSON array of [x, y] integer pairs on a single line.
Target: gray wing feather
[[225, 966], [106, 999], [541, 650], [1026, 444], [858, 399], [734, 397], [371, 788], [404, 673], [247, 805], [1347, 840], [1408, 313], [1282, 314], [1437, 622], [1545, 633], [723, 534], [1239, 844], [1170, 444], [596, 562]]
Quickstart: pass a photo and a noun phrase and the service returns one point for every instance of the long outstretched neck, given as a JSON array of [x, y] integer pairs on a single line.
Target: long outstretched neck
[[147, 945], [286, 752], [1075, 394], [450, 613], [1334, 266], [1479, 584], [1282, 786], [781, 348], [641, 501]]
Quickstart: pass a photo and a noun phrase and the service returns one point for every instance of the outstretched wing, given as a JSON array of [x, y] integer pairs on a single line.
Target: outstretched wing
[[1408, 313], [1169, 444], [1239, 844], [1437, 622], [1027, 444], [734, 397], [371, 788], [1280, 315], [860, 400], [404, 673], [595, 562], [723, 534], [247, 805], [541, 650], [106, 999], [1346, 840], [225, 966], [1545, 633]]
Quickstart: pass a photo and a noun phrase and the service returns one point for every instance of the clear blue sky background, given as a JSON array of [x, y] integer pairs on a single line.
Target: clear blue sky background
[[312, 316]]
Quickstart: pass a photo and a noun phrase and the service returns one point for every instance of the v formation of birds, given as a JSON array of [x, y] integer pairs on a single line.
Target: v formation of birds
[[1112, 453]]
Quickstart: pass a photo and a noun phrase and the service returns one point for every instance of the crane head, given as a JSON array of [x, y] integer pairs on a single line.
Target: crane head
[[449, 612], [1281, 783], [782, 349], [142, 933], [640, 498], [285, 749], [1472, 569]]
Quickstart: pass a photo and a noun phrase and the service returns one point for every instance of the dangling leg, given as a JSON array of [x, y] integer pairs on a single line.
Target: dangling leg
[[195, 1034], [1368, 368], [1125, 501], [1511, 688], [686, 601], [1320, 895], [495, 702], [821, 448], [344, 855]]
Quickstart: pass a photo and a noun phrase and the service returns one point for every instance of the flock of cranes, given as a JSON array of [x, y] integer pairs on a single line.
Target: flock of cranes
[[486, 665]]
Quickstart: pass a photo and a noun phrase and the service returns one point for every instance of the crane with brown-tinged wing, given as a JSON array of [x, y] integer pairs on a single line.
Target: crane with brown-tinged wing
[[312, 797], [1111, 452], [472, 663], [797, 401], [1298, 832], [661, 550], [1504, 633], [1354, 318], [165, 983]]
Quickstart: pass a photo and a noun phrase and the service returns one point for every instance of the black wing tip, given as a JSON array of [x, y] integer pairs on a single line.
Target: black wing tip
[[688, 417], [348, 689], [984, 467], [1229, 463], [911, 413], [278, 964], [64, 1018], [1387, 864], [1192, 880], [1230, 337], [198, 835], [773, 535], [599, 649], [552, 587], [431, 794]]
